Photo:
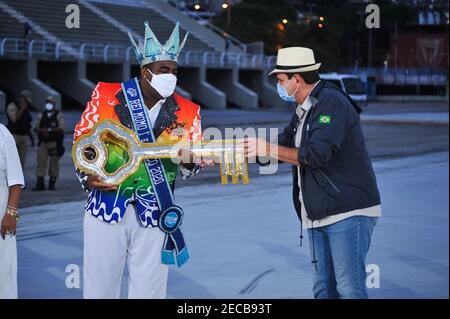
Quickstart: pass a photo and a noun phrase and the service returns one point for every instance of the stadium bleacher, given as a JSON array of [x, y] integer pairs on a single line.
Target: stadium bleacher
[[11, 28], [51, 16], [100, 50], [134, 18]]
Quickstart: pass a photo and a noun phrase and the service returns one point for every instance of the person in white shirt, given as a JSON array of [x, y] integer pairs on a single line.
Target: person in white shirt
[[11, 183]]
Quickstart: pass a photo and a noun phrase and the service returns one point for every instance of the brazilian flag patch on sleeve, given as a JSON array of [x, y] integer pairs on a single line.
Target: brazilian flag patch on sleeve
[[325, 119]]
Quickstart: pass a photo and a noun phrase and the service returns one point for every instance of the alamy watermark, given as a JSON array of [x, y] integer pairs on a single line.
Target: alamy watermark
[[73, 19], [373, 17], [73, 279], [373, 276]]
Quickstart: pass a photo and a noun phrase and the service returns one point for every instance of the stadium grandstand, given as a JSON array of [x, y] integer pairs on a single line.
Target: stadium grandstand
[[39, 52]]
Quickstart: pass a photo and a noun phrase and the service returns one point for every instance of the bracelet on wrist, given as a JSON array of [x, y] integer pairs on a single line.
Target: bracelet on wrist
[[13, 212]]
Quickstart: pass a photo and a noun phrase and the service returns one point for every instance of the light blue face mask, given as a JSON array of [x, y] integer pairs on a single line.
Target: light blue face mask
[[282, 92]]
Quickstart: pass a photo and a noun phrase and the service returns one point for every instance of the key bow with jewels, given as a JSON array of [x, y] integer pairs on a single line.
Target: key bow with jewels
[[90, 153]]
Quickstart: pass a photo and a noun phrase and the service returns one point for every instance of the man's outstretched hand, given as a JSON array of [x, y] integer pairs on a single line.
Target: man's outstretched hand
[[259, 147], [186, 157], [254, 147]]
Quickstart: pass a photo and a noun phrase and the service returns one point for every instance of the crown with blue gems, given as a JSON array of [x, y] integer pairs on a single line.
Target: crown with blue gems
[[153, 51]]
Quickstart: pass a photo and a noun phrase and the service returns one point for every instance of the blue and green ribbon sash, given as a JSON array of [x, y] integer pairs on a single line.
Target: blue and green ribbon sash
[[170, 215]]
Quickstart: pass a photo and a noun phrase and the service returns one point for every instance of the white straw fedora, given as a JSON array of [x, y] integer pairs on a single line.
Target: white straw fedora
[[295, 59]]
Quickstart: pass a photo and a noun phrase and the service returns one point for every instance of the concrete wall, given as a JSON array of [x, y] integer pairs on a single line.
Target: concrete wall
[[18, 75], [183, 93], [212, 88], [258, 81], [193, 80], [69, 78], [227, 80], [102, 72]]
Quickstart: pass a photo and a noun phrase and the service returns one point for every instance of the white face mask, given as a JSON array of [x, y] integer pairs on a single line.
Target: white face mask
[[164, 83], [49, 106]]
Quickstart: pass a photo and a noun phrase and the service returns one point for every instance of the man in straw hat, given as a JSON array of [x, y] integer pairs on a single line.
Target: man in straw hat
[[334, 187]]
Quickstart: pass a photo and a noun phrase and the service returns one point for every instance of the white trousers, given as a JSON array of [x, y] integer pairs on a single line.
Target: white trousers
[[8, 267], [108, 247]]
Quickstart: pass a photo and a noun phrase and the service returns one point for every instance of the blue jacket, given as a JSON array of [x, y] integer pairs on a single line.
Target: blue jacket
[[336, 172]]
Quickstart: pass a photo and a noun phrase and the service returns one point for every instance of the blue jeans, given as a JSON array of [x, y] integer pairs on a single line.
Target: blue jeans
[[340, 250]]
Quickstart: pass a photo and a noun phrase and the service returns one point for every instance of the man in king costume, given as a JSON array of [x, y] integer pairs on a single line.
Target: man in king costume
[[137, 223]]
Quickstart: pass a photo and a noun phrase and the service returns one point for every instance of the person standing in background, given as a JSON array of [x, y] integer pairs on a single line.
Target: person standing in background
[[50, 129]]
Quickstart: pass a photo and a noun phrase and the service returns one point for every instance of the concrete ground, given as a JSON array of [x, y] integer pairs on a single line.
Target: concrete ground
[[236, 233], [230, 229]]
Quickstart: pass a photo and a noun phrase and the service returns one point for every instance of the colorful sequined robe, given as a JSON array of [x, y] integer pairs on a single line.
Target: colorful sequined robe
[[178, 119]]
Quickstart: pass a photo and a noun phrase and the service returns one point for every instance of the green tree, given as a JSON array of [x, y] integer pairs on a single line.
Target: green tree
[[336, 43], [258, 20]]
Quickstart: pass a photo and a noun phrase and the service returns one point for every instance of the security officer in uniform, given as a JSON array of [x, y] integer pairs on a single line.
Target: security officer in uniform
[[50, 130]]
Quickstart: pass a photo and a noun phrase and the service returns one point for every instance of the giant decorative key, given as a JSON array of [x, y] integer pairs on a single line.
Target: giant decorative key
[[90, 153]]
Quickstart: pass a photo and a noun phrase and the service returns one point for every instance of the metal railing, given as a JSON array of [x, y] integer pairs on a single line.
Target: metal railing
[[412, 76], [404, 76], [108, 52], [112, 52], [59, 50], [14, 46], [226, 59], [37, 48]]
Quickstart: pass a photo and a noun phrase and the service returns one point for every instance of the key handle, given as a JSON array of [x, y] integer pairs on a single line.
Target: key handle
[[90, 153]]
